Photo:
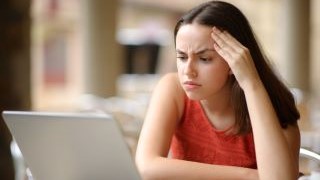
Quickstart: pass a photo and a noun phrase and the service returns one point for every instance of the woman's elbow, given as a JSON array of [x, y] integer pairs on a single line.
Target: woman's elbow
[[144, 167]]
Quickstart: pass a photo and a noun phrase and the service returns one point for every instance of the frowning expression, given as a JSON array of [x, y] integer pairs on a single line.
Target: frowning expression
[[202, 71]]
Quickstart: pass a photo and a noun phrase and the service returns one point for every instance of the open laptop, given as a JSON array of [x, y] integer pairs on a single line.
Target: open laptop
[[71, 146]]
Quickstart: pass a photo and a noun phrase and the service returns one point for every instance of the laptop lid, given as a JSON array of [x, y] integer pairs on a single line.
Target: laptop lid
[[71, 146]]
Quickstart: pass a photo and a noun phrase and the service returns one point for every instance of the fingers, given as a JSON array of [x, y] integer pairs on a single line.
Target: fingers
[[220, 45], [236, 55], [226, 43], [221, 51], [230, 49]]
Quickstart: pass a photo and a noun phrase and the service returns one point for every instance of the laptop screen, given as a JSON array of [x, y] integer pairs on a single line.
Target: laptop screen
[[71, 146]]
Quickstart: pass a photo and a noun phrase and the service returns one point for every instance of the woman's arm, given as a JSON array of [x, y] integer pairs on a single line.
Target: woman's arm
[[164, 112], [276, 149]]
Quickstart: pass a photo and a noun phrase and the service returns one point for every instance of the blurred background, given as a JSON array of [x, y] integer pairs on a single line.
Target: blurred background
[[106, 56]]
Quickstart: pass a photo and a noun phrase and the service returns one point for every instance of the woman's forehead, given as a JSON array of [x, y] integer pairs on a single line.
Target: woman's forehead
[[194, 37], [194, 29]]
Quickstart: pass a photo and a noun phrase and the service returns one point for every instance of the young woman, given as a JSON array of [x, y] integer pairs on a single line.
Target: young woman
[[224, 114]]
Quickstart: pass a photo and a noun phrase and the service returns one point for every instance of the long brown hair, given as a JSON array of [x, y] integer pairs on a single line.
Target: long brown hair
[[227, 17]]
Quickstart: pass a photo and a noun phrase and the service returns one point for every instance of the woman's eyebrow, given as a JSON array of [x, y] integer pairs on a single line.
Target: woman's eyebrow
[[180, 52], [198, 52], [203, 51]]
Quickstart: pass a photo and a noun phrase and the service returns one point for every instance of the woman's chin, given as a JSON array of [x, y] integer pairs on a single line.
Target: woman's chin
[[194, 96]]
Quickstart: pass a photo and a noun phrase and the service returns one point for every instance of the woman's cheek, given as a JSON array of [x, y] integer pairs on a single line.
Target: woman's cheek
[[179, 67]]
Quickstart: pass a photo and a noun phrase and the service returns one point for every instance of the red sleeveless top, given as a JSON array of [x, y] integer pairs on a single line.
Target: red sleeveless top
[[196, 139]]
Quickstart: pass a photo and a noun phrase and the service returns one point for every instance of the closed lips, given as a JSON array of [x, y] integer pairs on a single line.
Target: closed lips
[[191, 83]]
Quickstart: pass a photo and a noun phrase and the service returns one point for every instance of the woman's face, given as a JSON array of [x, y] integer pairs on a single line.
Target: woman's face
[[202, 71]]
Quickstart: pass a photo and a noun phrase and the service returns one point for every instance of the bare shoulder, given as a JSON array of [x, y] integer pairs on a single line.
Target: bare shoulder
[[169, 89], [170, 79], [163, 112], [170, 84]]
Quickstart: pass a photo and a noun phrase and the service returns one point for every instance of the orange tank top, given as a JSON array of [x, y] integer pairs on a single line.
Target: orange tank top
[[196, 139]]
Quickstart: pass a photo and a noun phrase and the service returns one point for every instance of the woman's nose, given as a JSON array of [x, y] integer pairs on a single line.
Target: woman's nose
[[190, 69]]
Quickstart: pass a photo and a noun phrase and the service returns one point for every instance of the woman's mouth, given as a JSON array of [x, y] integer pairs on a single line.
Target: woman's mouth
[[190, 85]]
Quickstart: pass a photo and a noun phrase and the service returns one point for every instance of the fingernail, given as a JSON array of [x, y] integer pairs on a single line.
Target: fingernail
[[214, 28]]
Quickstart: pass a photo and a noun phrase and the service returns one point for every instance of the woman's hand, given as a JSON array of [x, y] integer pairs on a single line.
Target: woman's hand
[[277, 149], [237, 56]]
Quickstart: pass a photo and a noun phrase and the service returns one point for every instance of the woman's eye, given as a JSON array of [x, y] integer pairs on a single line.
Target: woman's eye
[[181, 58], [205, 59]]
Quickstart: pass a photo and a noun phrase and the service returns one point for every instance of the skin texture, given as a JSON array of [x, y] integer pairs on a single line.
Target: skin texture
[[206, 58], [203, 73]]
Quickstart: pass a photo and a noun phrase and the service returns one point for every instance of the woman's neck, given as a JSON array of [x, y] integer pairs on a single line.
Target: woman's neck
[[221, 116], [219, 109]]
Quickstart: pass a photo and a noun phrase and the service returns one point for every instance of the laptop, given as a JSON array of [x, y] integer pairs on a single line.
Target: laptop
[[71, 146]]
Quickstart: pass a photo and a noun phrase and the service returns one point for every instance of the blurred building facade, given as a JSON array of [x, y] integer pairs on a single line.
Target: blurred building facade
[[143, 43]]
